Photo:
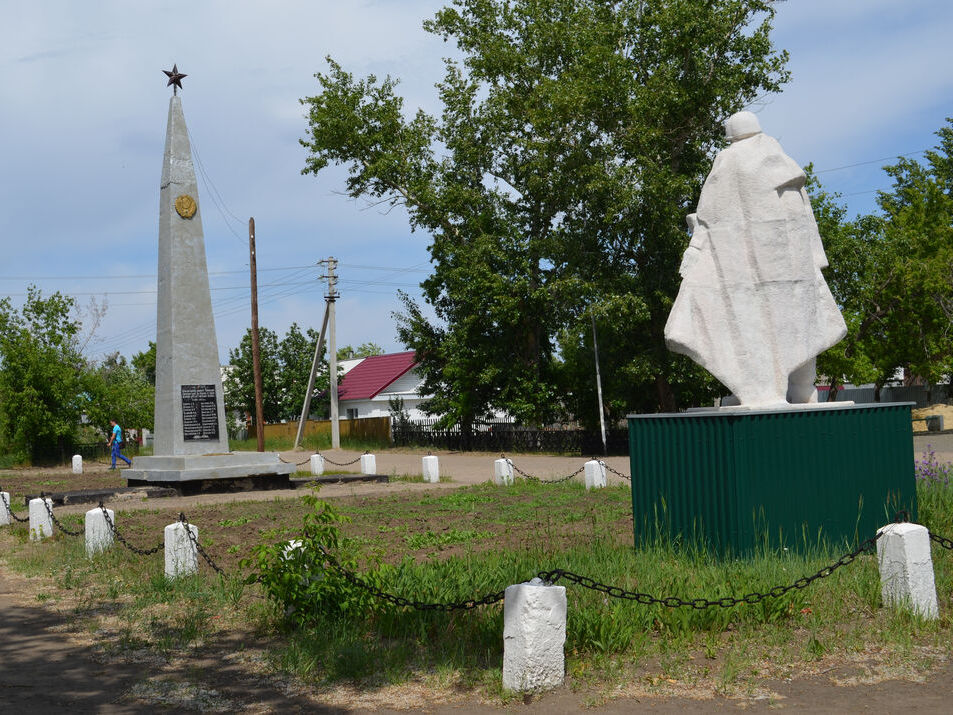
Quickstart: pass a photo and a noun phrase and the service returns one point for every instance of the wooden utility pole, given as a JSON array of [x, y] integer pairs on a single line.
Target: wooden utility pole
[[333, 355], [255, 350]]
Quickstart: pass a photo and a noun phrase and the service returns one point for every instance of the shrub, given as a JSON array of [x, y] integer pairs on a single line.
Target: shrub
[[298, 577]]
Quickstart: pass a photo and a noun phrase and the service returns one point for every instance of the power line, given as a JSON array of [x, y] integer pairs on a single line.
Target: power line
[[872, 161], [410, 269], [213, 191]]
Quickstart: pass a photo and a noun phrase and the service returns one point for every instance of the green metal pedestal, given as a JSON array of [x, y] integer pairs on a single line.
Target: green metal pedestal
[[735, 478]]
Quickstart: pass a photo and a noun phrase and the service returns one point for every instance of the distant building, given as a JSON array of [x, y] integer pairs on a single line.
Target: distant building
[[368, 386]]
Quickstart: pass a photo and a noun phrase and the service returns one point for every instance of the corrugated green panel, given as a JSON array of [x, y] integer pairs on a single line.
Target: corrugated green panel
[[735, 478]]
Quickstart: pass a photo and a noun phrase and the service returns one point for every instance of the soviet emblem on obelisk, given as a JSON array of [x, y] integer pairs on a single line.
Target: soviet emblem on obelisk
[[753, 307], [191, 435]]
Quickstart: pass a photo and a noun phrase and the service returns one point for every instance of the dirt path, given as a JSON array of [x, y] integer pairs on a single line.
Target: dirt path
[[462, 470], [44, 669]]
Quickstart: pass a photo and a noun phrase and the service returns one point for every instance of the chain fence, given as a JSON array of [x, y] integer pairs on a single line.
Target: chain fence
[[754, 597], [555, 575], [942, 541], [57, 522], [297, 464], [615, 471], [198, 546], [560, 480], [356, 580], [342, 464], [550, 577], [122, 540], [532, 478], [6, 504]]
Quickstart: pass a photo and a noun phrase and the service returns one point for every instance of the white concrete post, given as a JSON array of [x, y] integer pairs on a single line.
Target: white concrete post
[[99, 536], [41, 525], [317, 465], [77, 464], [595, 475], [368, 464], [431, 469], [181, 556], [906, 569], [534, 633], [502, 472], [4, 514]]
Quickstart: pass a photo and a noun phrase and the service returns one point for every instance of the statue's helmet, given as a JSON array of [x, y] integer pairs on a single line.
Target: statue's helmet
[[741, 125]]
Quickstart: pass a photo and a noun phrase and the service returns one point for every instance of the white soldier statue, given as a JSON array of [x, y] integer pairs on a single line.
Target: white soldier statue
[[753, 307]]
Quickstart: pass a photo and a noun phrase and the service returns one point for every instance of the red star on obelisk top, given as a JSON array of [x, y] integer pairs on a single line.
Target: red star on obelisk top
[[175, 78]]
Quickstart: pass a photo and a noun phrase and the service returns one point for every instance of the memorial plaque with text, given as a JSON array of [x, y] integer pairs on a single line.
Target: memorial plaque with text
[[199, 413]]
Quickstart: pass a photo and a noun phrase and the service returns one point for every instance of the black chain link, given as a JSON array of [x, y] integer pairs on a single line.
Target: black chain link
[[198, 546], [942, 541], [122, 540], [297, 464], [6, 505], [59, 525], [342, 464], [356, 580], [700, 603], [615, 472], [531, 478]]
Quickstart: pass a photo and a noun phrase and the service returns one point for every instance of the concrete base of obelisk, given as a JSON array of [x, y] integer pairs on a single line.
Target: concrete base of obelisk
[[195, 472]]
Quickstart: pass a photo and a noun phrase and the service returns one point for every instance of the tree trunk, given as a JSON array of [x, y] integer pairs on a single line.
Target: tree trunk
[[666, 397]]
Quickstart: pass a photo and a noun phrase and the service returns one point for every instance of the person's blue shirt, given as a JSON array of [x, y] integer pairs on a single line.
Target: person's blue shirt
[[117, 434]]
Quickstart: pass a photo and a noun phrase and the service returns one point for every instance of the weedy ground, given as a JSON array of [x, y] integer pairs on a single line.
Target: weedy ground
[[464, 543]]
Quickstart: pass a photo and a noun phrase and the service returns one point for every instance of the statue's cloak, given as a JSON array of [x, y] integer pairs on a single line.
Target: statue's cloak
[[753, 306]]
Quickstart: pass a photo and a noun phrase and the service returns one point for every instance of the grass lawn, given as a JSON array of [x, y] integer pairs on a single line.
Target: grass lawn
[[453, 545]]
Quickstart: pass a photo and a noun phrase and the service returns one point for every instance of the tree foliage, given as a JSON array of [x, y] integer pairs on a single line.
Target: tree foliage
[[573, 139], [116, 390], [285, 368], [363, 350], [892, 274], [40, 375]]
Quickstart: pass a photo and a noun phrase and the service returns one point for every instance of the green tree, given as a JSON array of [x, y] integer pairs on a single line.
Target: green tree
[[892, 274], [362, 351], [574, 138], [40, 375], [239, 383], [145, 363], [285, 368], [296, 353], [115, 390]]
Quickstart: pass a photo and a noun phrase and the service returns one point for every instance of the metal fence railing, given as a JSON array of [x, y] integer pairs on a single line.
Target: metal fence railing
[[499, 436], [99, 450]]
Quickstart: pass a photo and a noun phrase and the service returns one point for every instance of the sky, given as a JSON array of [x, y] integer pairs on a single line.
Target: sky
[[84, 103]]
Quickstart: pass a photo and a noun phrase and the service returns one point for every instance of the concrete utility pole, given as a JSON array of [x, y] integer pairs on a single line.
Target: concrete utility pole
[[333, 354], [315, 364], [602, 419], [255, 348]]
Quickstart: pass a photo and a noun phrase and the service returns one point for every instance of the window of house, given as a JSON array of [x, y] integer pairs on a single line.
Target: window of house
[[352, 413]]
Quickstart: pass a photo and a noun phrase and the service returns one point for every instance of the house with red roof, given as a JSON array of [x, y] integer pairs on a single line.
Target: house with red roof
[[367, 388]]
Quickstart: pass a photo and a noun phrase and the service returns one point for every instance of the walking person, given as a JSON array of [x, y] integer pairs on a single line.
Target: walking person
[[115, 442]]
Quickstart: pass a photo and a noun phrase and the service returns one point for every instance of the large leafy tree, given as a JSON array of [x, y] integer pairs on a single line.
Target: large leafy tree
[[574, 138], [295, 354], [285, 368], [40, 375], [145, 363], [116, 390], [892, 274]]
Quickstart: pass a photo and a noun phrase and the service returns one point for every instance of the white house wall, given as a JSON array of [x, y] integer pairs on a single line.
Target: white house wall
[[380, 407]]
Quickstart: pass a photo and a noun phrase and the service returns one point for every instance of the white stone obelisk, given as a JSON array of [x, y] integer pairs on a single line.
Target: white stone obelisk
[[190, 406], [191, 435]]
